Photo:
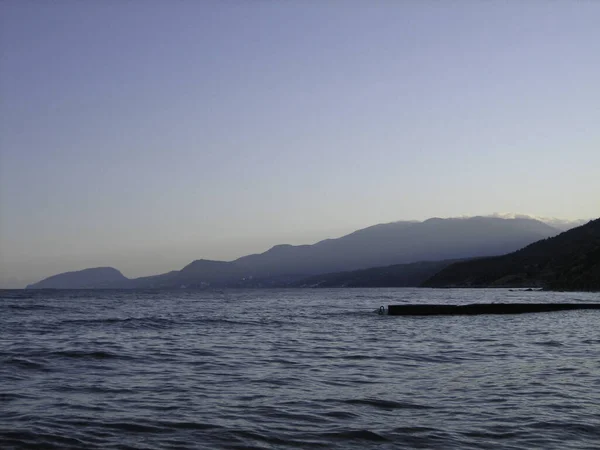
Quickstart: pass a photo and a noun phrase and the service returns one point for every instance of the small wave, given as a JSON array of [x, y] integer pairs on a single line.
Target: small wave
[[340, 415], [362, 357], [36, 307], [93, 390], [24, 363], [437, 358], [128, 322], [233, 322], [190, 425], [362, 435], [202, 352], [93, 321], [385, 404], [574, 428], [550, 343], [414, 430], [285, 362], [487, 435], [6, 397], [566, 369], [134, 427], [260, 437], [287, 416], [276, 381], [30, 439], [88, 355]]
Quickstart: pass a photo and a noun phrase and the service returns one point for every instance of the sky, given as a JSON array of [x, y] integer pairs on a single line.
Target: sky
[[144, 134]]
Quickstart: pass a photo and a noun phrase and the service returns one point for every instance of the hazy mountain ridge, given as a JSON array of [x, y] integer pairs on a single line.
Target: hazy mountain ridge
[[569, 261], [399, 243], [380, 245]]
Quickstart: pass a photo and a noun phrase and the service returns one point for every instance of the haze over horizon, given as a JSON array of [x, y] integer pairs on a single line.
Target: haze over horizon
[[144, 135]]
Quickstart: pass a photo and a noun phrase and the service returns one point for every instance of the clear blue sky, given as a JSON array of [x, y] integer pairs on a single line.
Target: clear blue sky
[[145, 134]]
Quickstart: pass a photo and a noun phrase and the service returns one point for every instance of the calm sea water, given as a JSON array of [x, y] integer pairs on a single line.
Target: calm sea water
[[283, 369]]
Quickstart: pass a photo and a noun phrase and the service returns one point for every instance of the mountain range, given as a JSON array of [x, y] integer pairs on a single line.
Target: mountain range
[[396, 275], [380, 245], [569, 261]]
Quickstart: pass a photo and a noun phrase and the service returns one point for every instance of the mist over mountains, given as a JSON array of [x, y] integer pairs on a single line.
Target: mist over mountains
[[393, 243], [560, 224]]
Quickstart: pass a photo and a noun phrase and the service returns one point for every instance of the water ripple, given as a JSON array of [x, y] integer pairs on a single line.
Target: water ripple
[[290, 369]]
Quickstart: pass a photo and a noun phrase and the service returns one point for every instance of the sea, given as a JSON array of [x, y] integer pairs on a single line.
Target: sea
[[294, 369]]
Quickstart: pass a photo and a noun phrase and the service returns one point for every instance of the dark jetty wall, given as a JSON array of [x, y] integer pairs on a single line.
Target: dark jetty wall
[[485, 308]]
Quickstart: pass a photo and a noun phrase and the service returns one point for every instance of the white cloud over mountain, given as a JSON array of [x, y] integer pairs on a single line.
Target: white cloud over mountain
[[561, 224]]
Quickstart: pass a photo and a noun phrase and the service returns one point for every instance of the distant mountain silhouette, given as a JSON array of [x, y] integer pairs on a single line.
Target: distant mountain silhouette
[[198, 274], [376, 246], [569, 261], [98, 277], [398, 243], [397, 275]]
